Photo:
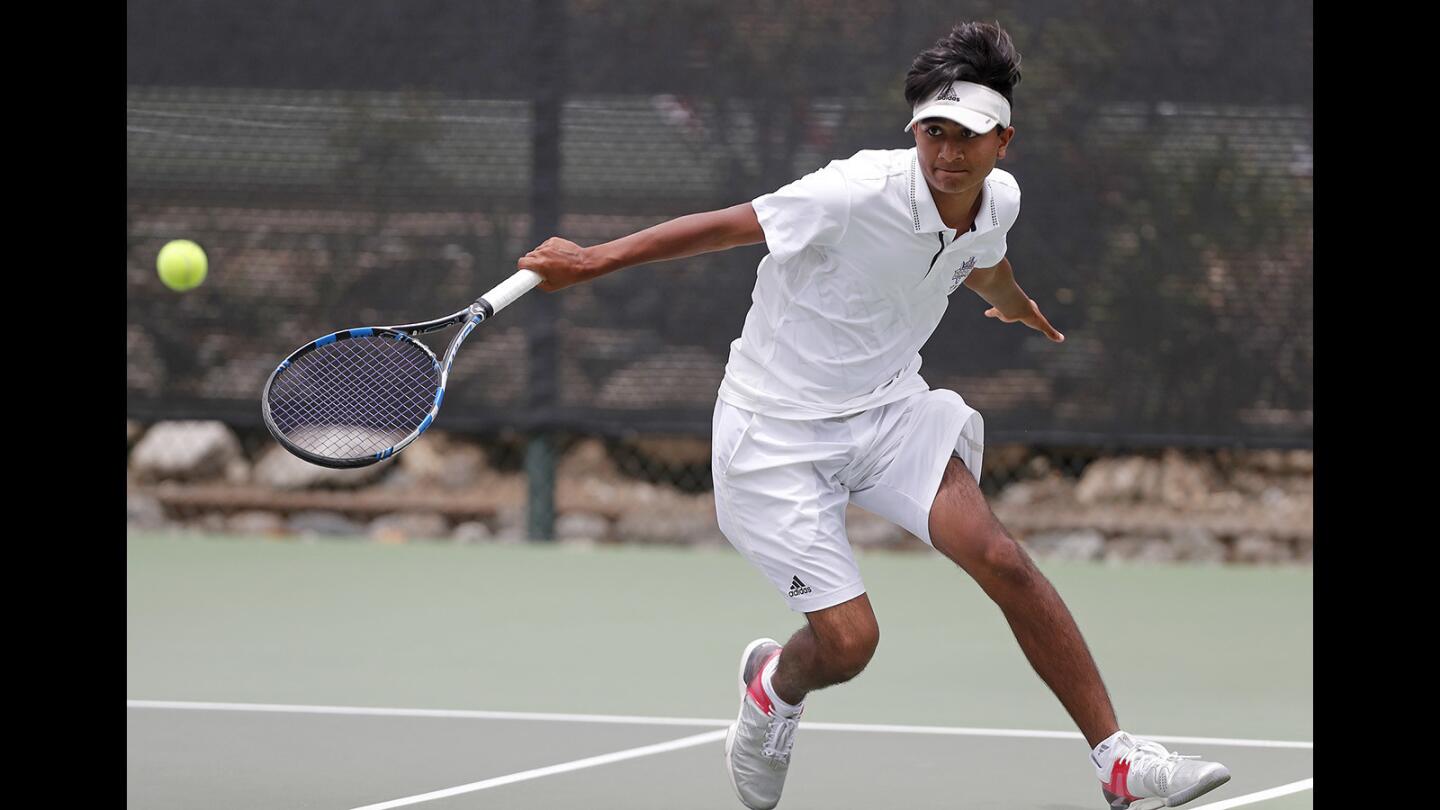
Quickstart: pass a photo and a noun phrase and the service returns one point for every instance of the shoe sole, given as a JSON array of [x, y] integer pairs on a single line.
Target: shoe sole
[[1199, 790], [730, 734], [1176, 800]]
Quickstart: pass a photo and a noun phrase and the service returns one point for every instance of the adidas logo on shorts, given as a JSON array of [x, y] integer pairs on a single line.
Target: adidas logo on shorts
[[797, 587]]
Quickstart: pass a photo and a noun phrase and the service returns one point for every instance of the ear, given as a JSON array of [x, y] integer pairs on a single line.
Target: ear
[[1005, 135]]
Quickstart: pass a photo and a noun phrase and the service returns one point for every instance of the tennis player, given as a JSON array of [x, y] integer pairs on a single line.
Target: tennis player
[[822, 404]]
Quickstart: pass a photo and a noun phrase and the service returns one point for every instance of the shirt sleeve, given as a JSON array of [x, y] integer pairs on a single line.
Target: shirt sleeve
[[813, 210], [993, 250]]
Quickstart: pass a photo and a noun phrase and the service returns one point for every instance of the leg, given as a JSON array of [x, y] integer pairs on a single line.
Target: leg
[[832, 648], [963, 528]]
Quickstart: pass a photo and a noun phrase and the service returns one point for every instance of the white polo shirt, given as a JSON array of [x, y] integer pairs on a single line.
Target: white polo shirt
[[858, 275]]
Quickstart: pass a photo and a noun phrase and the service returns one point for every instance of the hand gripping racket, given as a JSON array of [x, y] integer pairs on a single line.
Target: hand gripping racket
[[359, 396]]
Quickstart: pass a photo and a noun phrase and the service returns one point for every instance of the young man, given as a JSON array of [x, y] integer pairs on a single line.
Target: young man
[[822, 404]]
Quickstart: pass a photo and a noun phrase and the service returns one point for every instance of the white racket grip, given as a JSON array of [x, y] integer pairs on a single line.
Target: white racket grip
[[506, 292]]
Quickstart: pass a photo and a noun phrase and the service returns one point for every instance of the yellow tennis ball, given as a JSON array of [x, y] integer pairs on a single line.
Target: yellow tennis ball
[[182, 265]]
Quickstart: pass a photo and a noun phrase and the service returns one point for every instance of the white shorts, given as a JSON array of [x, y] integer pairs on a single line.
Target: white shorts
[[782, 485]]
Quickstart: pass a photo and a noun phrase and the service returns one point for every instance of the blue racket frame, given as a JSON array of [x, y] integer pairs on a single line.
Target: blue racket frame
[[472, 316]]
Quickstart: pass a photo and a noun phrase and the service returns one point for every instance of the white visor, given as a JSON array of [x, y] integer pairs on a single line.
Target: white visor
[[973, 106]]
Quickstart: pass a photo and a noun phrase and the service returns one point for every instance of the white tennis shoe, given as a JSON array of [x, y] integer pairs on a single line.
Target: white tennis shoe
[[1144, 775], [757, 747]]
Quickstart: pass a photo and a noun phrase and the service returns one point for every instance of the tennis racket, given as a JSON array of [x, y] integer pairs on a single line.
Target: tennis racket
[[359, 396]]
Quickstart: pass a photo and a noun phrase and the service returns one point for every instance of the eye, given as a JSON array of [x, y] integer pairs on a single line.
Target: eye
[[934, 131]]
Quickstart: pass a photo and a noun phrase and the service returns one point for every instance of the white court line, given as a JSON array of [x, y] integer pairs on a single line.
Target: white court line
[[590, 762], [452, 713], [366, 711], [1251, 798]]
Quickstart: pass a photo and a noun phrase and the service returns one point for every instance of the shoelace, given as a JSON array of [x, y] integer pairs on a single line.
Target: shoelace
[[780, 739], [1149, 756]]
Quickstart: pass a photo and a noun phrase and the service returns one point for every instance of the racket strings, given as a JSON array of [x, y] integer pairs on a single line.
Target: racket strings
[[354, 398]]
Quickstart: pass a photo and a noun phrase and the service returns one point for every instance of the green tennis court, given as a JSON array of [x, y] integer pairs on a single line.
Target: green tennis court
[[336, 674]]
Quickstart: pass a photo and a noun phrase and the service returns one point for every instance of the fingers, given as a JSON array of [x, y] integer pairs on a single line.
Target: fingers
[[1035, 320], [556, 260], [1043, 325], [535, 263]]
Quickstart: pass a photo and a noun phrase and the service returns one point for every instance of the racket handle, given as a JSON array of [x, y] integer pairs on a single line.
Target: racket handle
[[506, 292]]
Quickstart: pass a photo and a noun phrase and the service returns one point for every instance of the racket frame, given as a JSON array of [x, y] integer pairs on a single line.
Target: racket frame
[[472, 316]]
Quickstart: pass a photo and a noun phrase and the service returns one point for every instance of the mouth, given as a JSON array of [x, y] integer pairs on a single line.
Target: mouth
[[950, 171]]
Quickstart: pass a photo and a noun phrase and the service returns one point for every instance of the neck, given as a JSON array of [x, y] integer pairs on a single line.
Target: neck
[[957, 211]]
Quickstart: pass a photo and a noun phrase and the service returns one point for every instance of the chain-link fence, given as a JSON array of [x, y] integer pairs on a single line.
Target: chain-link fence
[[359, 163]]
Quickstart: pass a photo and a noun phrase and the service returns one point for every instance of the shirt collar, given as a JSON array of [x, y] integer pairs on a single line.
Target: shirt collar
[[925, 217]]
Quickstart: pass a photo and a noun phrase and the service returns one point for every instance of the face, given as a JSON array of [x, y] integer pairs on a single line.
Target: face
[[954, 159]]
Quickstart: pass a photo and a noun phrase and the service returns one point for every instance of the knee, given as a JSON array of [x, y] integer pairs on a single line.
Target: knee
[[1004, 560], [848, 653]]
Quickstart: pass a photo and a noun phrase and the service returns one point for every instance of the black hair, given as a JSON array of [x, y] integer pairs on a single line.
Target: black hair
[[972, 52]]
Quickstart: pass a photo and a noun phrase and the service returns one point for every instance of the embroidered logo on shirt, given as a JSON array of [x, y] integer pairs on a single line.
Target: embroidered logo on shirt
[[960, 273]]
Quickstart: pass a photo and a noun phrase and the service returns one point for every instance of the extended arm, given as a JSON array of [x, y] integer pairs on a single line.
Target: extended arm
[[1007, 301], [563, 263]]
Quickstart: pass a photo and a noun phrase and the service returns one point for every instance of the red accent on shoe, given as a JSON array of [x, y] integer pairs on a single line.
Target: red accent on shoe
[[1119, 774], [757, 689]]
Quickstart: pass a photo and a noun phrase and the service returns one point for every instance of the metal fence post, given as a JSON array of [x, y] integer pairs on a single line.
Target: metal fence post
[[548, 41]]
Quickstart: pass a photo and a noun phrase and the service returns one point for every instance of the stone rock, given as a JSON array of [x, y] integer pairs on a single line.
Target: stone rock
[[1140, 549], [1257, 548], [669, 528], [1223, 502], [1249, 482], [325, 524], [440, 459], [1004, 458], [255, 521], [672, 451], [464, 465], [1049, 489], [1119, 480], [512, 519], [399, 527], [237, 471], [1300, 462], [1183, 483], [581, 525], [867, 530], [1269, 461], [587, 458], [472, 531], [1084, 544], [1305, 549], [1275, 462], [213, 522], [278, 469], [185, 451], [1198, 545], [144, 512], [1036, 467], [510, 535], [398, 479]]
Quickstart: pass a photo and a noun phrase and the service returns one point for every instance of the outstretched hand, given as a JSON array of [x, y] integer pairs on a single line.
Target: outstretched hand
[[1033, 319], [559, 262]]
